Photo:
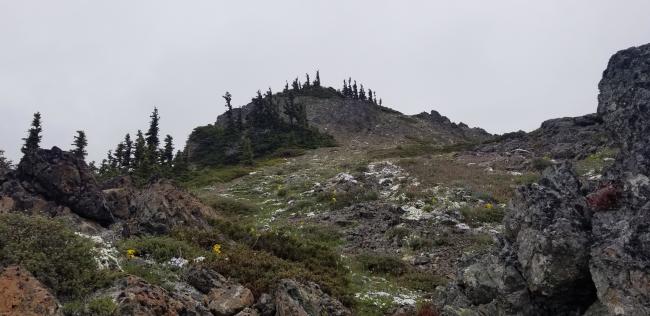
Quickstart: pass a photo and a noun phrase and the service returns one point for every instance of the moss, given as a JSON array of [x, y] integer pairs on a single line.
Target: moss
[[596, 162], [56, 256]]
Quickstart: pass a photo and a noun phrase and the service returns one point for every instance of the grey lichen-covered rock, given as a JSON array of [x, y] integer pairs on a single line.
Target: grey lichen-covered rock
[[65, 179], [571, 249], [620, 264], [296, 299]]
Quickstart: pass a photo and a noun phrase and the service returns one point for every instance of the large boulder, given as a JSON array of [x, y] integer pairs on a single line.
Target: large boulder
[[23, 295], [296, 299], [229, 299], [135, 296], [620, 255], [162, 206], [65, 179], [573, 249]]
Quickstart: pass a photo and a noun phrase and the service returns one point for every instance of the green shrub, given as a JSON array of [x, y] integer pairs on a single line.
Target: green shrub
[[419, 243], [102, 306], [230, 206], [540, 164], [475, 216], [161, 248], [381, 264], [56, 256], [157, 274]]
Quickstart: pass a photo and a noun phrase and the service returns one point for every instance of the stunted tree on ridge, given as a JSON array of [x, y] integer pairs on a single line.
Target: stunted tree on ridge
[[80, 142], [33, 140]]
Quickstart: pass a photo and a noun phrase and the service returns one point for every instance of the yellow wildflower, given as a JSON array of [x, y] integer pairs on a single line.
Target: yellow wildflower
[[216, 249], [489, 206], [130, 253]]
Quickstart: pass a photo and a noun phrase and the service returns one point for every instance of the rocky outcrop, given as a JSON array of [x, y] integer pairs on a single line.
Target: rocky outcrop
[[135, 296], [229, 299], [572, 248], [61, 177], [161, 207], [561, 138], [296, 299], [23, 295]]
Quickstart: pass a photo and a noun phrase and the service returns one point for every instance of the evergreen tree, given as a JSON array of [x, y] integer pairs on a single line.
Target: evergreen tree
[[128, 151], [380, 102], [240, 121], [345, 88], [296, 85], [355, 92], [33, 139], [246, 151], [168, 151], [370, 96], [286, 87], [362, 94], [317, 80], [153, 140], [180, 166], [112, 162], [5, 164], [307, 83], [119, 155], [140, 151], [80, 142], [231, 119]]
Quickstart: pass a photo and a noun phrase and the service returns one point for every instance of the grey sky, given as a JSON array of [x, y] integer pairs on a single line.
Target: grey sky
[[101, 66]]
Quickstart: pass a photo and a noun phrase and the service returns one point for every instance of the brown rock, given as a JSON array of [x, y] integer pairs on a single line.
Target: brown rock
[[229, 300], [23, 295], [296, 299], [137, 297], [161, 207]]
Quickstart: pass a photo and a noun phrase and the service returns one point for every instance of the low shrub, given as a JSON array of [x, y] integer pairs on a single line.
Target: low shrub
[[230, 206], [476, 216], [101, 306], [161, 248], [381, 264], [63, 261]]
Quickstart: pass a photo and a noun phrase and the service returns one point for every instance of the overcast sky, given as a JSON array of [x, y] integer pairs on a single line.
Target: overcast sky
[[102, 66]]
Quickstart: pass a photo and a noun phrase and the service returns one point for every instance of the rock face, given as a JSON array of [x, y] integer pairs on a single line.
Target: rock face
[[23, 295], [572, 248], [561, 138], [295, 299], [229, 299], [134, 296], [620, 264], [161, 207], [61, 177]]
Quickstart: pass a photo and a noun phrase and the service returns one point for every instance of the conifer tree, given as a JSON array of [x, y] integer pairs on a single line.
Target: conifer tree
[[370, 96], [286, 87], [345, 88], [240, 121], [33, 139], [128, 151], [80, 142], [246, 151], [296, 85], [5, 164], [380, 102], [153, 140], [355, 92], [179, 165], [140, 151], [168, 151], [317, 80], [362, 93], [308, 82], [119, 155], [231, 119]]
